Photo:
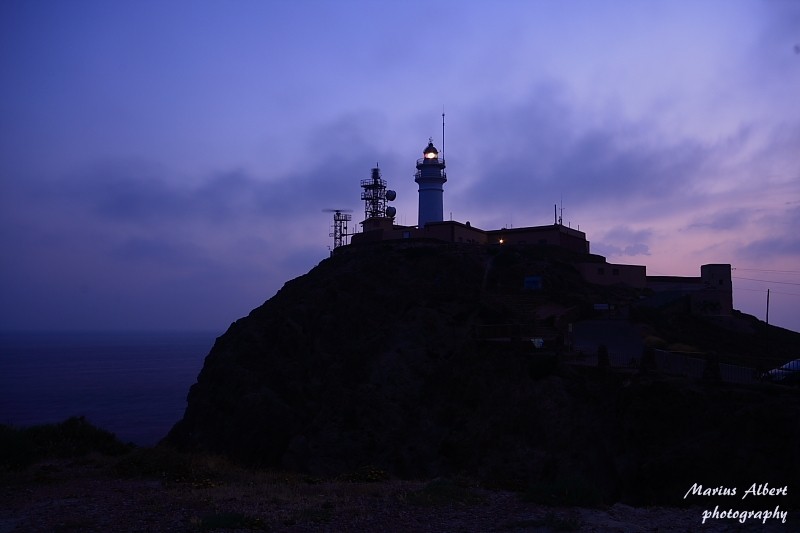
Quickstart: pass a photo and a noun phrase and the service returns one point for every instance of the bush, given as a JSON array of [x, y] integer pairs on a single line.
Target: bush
[[172, 466], [156, 462], [75, 437], [15, 453]]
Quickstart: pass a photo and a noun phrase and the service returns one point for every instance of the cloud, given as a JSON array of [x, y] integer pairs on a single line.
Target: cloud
[[623, 241], [779, 246], [129, 236], [129, 232], [724, 220], [780, 239], [153, 250], [541, 151], [612, 251]]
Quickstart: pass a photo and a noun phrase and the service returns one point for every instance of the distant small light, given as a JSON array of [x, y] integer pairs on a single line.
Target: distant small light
[[501, 241], [430, 155]]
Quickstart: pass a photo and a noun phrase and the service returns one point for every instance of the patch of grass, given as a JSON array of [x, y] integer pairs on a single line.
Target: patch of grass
[[444, 491], [75, 437]]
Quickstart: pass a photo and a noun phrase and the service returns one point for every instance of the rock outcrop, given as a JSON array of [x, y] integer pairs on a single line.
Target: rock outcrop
[[372, 360]]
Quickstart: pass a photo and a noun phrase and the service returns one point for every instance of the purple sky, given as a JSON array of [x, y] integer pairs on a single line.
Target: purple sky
[[165, 164]]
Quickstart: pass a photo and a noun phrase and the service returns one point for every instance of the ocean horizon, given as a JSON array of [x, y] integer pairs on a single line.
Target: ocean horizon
[[131, 383]]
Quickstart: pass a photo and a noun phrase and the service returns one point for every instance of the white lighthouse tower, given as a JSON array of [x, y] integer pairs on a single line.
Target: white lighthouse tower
[[431, 177]]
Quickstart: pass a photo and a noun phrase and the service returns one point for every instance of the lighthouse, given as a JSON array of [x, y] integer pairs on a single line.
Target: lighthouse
[[431, 177]]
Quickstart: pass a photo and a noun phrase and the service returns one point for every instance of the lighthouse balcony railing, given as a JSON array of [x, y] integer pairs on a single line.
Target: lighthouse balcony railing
[[418, 175], [429, 161]]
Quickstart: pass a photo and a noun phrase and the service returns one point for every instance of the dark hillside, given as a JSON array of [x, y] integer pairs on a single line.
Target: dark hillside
[[738, 339], [410, 358]]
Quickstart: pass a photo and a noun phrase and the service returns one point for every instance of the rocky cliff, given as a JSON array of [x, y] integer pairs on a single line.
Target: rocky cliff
[[376, 359]]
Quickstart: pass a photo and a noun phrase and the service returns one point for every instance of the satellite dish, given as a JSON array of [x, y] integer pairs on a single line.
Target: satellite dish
[[391, 211], [391, 195]]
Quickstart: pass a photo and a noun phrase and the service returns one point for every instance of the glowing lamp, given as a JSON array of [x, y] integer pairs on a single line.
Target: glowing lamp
[[430, 152]]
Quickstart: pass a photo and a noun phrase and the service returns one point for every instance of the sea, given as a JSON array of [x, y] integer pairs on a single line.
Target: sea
[[133, 384]]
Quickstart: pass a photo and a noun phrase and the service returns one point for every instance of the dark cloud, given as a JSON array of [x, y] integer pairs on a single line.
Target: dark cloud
[[774, 247], [625, 233], [781, 241], [137, 241], [779, 36], [722, 220], [544, 153], [126, 191], [623, 241], [161, 251], [114, 189]]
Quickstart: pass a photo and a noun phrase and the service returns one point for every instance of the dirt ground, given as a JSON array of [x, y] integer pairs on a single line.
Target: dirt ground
[[90, 495]]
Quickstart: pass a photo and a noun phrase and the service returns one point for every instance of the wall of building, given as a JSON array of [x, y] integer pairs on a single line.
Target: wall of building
[[612, 274], [374, 229], [710, 294], [452, 231], [716, 297], [674, 283], [555, 235], [383, 229]]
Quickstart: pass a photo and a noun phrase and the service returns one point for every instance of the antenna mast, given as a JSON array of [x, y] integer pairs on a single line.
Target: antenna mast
[[375, 196], [442, 132], [339, 233]]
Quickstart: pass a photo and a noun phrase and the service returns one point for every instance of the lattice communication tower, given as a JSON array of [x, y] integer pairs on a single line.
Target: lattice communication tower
[[340, 220], [375, 196]]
